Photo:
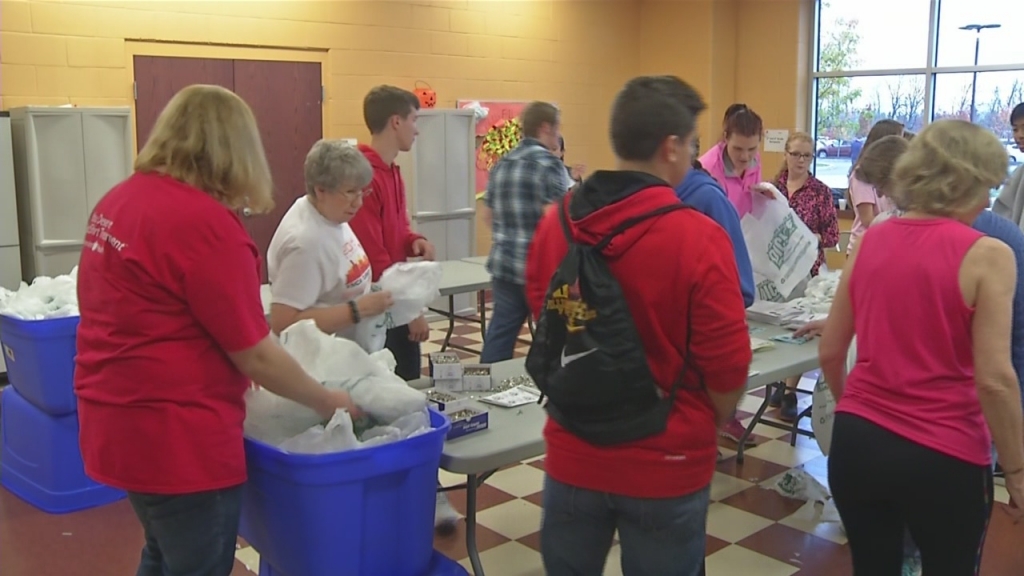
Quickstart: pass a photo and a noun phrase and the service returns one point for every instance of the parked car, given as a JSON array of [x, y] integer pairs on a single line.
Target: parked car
[[1013, 151], [836, 149]]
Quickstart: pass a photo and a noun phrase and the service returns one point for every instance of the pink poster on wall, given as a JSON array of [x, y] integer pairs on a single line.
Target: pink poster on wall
[[496, 135]]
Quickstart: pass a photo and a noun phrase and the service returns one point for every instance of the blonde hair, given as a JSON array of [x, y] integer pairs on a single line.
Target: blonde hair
[[876, 163], [949, 168], [794, 137], [207, 137]]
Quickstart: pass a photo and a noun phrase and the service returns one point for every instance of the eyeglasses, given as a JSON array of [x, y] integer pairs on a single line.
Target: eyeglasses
[[798, 156], [357, 194]]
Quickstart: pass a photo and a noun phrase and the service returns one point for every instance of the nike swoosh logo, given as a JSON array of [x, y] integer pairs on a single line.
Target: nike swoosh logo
[[567, 359]]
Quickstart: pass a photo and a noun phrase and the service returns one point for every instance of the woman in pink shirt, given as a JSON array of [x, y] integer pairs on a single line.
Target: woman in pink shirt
[[864, 199], [933, 373], [734, 162]]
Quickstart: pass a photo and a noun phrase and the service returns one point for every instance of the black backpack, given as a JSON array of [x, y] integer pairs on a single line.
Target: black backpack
[[587, 358]]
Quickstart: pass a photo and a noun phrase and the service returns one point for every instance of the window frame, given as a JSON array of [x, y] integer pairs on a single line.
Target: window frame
[[930, 71]]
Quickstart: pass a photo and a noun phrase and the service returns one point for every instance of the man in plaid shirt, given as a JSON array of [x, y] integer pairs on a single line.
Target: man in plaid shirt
[[520, 187]]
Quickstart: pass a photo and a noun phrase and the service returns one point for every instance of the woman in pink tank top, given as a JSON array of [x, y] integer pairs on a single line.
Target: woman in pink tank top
[[933, 374]]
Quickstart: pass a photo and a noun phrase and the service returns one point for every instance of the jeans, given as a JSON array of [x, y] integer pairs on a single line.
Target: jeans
[[406, 352], [188, 534], [658, 537], [883, 484], [510, 311]]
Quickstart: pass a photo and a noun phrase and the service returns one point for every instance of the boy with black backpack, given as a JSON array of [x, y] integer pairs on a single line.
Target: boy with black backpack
[[641, 349]]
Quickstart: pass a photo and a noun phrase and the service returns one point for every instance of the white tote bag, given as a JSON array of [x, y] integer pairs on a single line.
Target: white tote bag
[[782, 248]]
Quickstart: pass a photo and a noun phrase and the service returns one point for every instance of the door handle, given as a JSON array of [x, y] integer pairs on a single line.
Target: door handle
[[247, 212]]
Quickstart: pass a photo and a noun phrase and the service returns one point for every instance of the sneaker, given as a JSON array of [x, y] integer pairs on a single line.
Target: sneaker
[[445, 517], [911, 566], [734, 431], [775, 400], [789, 410]]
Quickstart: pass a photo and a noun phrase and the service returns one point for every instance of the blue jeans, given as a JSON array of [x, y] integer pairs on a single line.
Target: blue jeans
[[188, 534], [659, 537], [510, 312]]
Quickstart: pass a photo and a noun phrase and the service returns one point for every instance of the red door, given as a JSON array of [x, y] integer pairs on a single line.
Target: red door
[[284, 96], [286, 99], [158, 79]]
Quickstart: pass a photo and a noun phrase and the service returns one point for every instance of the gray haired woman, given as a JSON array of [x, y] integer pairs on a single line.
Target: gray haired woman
[[317, 267]]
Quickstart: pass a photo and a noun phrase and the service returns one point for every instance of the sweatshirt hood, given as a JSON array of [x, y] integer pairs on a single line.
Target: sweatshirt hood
[[607, 199], [694, 181]]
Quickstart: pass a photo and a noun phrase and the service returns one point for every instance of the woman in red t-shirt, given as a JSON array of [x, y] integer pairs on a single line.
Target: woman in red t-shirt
[[173, 331]]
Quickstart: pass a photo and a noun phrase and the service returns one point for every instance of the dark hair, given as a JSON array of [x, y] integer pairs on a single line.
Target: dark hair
[[535, 115], [876, 162], [561, 143], [1018, 113], [881, 129], [384, 102], [650, 109], [742, 120]]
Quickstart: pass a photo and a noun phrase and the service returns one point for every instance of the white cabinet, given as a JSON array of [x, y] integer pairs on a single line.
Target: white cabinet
[[10, 258], [65, 159], [440, 174]]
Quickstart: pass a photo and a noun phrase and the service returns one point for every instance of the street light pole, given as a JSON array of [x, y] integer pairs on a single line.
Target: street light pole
[[977, 28]]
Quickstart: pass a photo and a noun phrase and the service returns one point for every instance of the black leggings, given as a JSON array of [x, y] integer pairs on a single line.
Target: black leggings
[[883, 482]]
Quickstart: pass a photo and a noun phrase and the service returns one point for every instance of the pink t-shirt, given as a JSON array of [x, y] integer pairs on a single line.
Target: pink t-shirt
[[737, 187], [861, 193], [914, 373]]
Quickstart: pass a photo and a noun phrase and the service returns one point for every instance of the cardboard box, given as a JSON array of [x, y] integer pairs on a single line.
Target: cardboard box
[[447, 402], [445, 366], [467, 421], [477, 378], [449, 384]]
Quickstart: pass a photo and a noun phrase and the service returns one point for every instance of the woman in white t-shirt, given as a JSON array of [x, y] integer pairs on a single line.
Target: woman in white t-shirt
[[317, 267]]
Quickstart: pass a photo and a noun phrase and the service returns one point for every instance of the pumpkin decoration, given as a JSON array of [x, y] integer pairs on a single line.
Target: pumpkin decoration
[[499, 140], [425, 94]]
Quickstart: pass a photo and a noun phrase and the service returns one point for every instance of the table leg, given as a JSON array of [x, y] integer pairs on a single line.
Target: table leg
[[451, 322], [753, 423], [471, 547], [481, 298]]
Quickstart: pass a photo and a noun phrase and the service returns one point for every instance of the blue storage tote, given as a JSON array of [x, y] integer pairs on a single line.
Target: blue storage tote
[[40, 357], [41, 461], [440, 565], [357, 513]]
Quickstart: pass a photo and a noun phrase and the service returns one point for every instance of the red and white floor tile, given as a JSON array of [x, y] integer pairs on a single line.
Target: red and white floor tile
[[752, 530]]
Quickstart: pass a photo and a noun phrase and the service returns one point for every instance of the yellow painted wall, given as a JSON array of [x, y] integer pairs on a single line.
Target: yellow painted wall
[[573, 53], [576, 53]]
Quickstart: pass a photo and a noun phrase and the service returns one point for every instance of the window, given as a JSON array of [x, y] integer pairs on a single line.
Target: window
[[914, 61]]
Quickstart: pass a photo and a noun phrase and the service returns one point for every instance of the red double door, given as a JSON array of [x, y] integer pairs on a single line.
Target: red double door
[[286, 98]]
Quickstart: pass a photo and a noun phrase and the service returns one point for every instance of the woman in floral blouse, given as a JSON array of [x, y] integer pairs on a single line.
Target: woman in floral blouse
[[811, 199]]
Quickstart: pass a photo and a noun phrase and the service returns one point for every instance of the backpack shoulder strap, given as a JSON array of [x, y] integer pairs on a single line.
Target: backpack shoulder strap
[[563, 214], [630, 222]]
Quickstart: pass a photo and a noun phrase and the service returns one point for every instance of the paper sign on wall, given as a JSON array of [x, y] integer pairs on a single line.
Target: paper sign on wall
[[775, 140]]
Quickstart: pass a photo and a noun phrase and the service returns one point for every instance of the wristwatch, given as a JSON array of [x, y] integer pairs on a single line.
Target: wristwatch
[[356, 317]]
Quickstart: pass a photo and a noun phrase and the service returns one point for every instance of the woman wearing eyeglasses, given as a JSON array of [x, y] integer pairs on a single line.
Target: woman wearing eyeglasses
[[317, 267], [811, 199]]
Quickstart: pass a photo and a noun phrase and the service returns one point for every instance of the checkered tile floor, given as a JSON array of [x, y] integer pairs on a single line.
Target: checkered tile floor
[[752, 530]]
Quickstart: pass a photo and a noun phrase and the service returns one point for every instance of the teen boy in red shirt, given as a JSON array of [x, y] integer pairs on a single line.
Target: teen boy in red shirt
[[382, 224], [678, 275]]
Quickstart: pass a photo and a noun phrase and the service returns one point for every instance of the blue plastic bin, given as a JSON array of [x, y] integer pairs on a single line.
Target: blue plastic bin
[[40, 357], [440, 565], [358, 513], [41, 461]]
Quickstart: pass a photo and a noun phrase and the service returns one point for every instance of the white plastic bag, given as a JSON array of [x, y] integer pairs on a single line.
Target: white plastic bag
[[782, 249], [823, 415], [413, 285], [372, 333], [338, 364], [337, 436]]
